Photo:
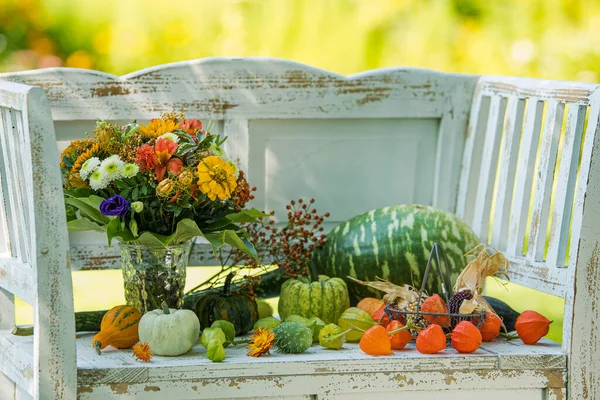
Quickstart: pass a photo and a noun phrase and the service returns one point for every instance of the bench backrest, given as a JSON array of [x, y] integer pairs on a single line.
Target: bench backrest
[[34, 259], [525, 173], [379, 138]]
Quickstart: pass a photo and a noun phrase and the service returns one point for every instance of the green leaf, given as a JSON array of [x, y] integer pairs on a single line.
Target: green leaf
[[89, 207], [84, 224], [113, 230], [186, 229], [154, 239], [246, 215], [219, 239], [133, 226]]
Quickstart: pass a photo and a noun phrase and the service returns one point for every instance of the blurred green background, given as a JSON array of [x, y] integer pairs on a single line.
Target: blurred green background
[[553, 39]]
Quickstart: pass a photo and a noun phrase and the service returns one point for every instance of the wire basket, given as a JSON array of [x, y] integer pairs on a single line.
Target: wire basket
[[422, 319]]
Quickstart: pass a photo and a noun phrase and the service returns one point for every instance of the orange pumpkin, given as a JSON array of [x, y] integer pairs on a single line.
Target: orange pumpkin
[[399, 340], [531, 326], [381, 317], [376, 342], [370, 305], [431, 340], [490, 329], [119, 328], [435, 304], [466, 338]]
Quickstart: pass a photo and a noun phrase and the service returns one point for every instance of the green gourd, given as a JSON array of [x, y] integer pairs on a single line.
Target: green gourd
[[239, 308], [324, 297], [293, 337]]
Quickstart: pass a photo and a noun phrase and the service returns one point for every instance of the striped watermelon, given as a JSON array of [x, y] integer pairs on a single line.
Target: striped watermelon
[[394, 243]]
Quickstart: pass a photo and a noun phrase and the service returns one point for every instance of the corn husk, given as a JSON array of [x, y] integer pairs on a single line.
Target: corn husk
[[487, 262], [402, 296]]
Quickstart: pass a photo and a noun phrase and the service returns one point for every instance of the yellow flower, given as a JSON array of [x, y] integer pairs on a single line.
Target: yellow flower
[[216, 178], [158, 127], [142, 352], [262, 341], [83, 157]]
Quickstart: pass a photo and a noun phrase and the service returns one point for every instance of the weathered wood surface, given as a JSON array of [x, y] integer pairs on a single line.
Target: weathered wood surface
[[317, 370], [34, 263], [286, 122]]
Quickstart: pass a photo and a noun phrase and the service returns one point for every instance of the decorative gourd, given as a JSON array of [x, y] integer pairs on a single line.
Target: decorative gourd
[[238, 308], [355, 317], [169, 332], [119, 328], [394, 243], [325, 297], [370, 305], [292, 337], [269, 323]]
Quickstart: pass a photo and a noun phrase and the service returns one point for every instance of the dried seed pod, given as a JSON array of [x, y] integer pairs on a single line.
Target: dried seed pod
[[531, 326], [431, 340], [490, 329], [466, 338]]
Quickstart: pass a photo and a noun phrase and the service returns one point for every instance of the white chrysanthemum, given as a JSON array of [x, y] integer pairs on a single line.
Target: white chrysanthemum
[[129, 170], [98, 180], [88, 167], [169, 135], [111, 167]]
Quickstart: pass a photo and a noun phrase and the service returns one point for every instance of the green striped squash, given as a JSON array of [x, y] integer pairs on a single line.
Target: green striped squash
[[326, 298], [394, 243]]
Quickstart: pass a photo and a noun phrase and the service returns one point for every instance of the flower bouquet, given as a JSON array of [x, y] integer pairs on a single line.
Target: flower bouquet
[[154, 188]]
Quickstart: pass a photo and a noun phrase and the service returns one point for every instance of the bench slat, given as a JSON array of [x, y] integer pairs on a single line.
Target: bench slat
[[506, 171], [487, 170], [567, 176], [524, 177], [544, 179]]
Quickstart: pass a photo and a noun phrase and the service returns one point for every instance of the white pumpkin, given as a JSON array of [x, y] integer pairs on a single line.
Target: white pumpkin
[[169, 332]]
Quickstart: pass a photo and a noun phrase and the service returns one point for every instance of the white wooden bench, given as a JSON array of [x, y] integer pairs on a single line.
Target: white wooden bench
[[464, 143]]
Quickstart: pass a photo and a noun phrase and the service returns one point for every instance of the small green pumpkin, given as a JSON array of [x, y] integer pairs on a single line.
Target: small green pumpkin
[[239, 308], [326, 298]]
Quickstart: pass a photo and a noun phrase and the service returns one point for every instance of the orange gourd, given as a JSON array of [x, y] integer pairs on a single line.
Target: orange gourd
[[381, 317], [376, 342], [531, 326], [370, 305], [490, 329], [119, 328], [466, 338], [398, 340], [435, 304], [431, 340]]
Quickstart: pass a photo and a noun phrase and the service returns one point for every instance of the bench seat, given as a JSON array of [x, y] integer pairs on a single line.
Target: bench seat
[[498, 365]]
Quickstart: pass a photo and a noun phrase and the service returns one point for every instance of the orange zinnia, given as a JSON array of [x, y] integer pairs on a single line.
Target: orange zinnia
[[142, 352], [262, 341]]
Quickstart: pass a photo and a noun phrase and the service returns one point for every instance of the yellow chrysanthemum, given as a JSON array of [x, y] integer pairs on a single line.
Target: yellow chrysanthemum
[[261, 343], [158, 127], [83, 157], [216, 178]]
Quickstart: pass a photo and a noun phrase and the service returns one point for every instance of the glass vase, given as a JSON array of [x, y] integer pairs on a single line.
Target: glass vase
[[153, 274]]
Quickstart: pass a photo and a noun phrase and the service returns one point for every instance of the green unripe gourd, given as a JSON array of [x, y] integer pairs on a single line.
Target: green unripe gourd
[[293, 337]]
